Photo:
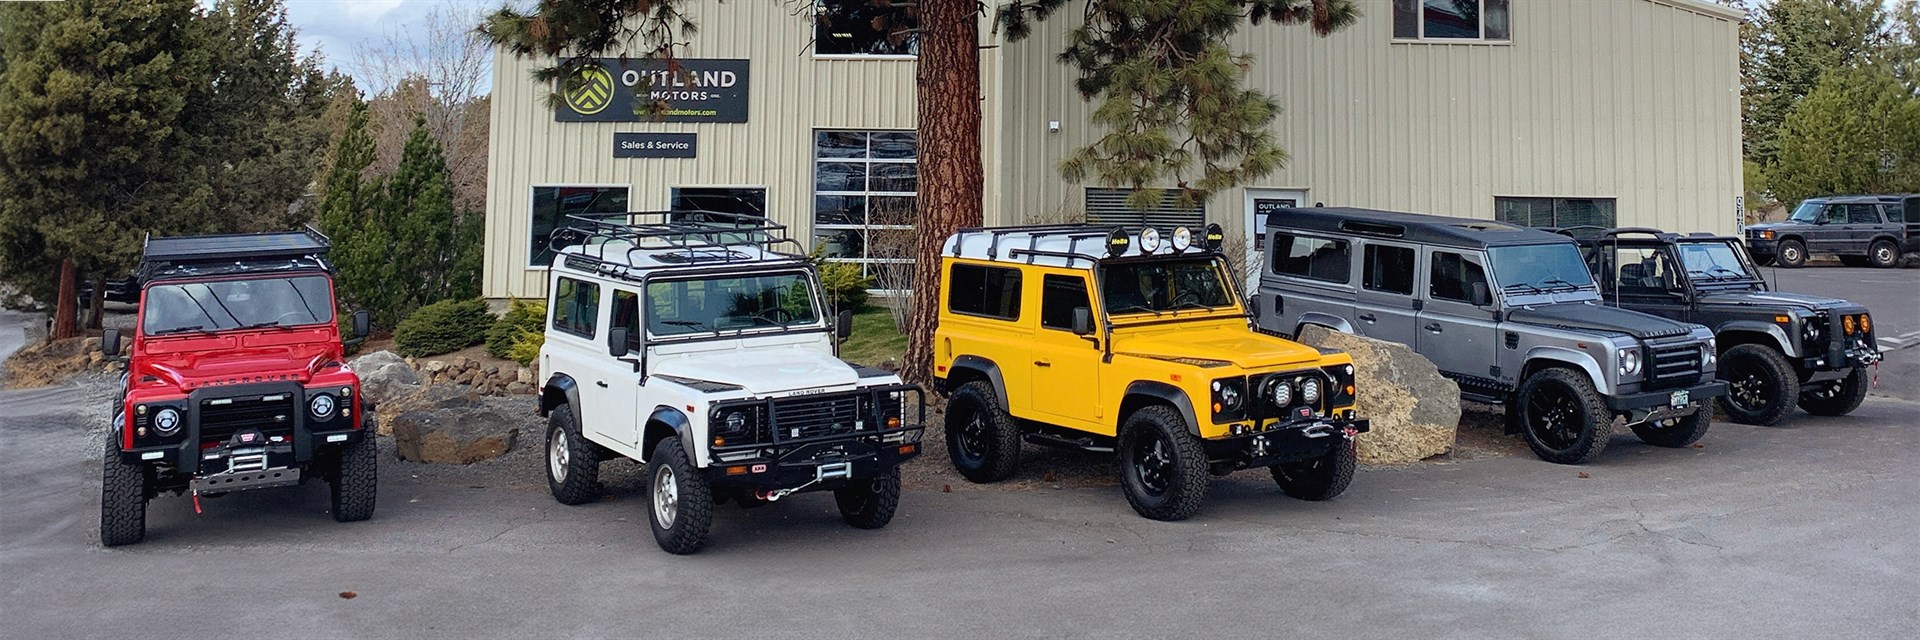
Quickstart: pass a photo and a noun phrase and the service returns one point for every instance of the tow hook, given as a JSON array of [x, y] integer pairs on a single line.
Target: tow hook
[[1350, 431], [776, 494]]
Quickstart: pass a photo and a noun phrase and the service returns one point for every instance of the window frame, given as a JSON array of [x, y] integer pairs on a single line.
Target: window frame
[[1420, 27], [532, 197], [1019, 288], [866, 228], [1086, 293], [553, 311], [1366, 269], [813, 44], [1274, 255], [1433, 265]]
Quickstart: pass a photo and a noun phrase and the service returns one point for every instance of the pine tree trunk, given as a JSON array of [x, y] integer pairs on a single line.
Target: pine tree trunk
[[949, 158], [97, 306], [65, 299]]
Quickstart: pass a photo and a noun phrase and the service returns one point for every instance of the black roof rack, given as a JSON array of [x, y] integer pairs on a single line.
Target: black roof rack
[[199, 256], [689, 236], [1411, 227]]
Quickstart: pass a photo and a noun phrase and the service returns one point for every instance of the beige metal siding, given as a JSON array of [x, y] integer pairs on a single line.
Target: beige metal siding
[[1636, 100], [790, 94]]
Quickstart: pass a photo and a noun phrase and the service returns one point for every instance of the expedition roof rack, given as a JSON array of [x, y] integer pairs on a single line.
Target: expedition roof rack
[[190, 256], [685, 236], [1073, 233]]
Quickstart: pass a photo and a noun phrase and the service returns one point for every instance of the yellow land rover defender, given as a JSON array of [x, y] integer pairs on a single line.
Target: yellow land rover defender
[[1094, 338]]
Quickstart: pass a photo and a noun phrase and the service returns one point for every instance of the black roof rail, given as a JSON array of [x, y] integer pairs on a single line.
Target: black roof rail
[[691, 235]]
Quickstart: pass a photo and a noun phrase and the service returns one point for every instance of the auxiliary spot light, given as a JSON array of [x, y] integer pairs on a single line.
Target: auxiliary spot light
[[1182, 238], [1150, 242]]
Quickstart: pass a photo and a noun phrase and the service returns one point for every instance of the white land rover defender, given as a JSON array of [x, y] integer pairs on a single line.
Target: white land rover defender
[[688, 342]]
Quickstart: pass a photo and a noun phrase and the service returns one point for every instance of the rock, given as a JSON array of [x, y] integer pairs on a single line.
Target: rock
[[461, 433], [1414, 410], [385, 376], [427, 397], [50, 363], [517, 388], [523, 375], [435, 366]]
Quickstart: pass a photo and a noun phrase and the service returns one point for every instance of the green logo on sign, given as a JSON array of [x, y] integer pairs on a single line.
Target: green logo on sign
[[591, 91]]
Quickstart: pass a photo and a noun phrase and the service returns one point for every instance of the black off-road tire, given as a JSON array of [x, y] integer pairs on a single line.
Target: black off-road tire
[[986, 451], [1577, 406], [1182, 478], [571, 458], [1791, 254], [1764, 261], [869, 503], [353, 486], [686, 532], [1777, 383], [1883, 254], [1836, 398], [1320, 478], [123, 499], [1683, 431]]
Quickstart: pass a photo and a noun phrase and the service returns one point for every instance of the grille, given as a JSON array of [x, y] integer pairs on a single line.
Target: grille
[[272, 414], [802, 418], [1673, 365]]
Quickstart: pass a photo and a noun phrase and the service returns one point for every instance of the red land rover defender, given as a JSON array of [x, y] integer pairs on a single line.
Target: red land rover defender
[[237, 380]]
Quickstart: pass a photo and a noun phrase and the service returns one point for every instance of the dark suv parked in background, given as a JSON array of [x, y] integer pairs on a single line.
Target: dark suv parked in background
[[1776, 349], [1860, 230]]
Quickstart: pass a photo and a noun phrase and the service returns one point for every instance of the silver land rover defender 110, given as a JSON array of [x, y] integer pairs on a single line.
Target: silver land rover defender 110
[[1510, 313]]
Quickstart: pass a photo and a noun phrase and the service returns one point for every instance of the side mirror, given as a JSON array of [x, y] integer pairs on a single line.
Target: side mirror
[[1481, 296], [843, 325], [362, 324], [1082, 321], [110, 342], [617, 342]]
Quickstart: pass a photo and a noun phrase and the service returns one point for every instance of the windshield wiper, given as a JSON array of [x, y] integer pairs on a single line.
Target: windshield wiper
[[1135, 307], [1530, 288], [1185, 305], [198, 328], [687, 323], [1563, 283]]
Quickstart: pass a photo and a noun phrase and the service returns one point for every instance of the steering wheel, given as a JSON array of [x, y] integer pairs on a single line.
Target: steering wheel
[[1187, 297], [298, 317], [774, 316]]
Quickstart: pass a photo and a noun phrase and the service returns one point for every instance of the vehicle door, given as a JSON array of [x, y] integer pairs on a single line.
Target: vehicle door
[[1064, 378], [1385, 308], [1304, 274], [1457, 317], [1863, 221], [621, 398], [1829, 233], [1648, 279]]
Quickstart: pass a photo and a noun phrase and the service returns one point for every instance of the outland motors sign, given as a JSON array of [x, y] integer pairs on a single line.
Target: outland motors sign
[[653, 145], [689, 90]]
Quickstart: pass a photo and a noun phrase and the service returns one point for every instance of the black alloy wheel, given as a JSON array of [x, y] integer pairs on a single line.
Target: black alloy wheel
[[1761, 385], [1563, 416]]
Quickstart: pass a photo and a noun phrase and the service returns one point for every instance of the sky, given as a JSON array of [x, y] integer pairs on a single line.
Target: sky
[[334, 27]]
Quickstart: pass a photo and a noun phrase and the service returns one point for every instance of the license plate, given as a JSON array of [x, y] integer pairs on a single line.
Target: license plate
[[833, 470], [1679, 398]]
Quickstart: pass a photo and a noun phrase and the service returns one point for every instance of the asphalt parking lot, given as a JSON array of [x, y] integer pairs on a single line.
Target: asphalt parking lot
[[1892, 295], [1805, 530]]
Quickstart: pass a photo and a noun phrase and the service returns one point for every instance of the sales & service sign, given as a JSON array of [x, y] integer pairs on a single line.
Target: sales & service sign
[[688, 90]]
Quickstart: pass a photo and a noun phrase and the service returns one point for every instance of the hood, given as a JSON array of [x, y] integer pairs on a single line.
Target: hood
[[1746, 298], [761, 371], [1594, 317], [1241, 347], [191, 362], [1777, 224]]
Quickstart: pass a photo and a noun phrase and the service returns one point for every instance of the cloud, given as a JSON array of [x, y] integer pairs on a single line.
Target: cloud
[[335, 27]]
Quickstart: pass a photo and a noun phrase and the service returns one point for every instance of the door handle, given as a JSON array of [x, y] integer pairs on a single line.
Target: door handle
[[602, 383], [1434, 327], [1042, 363], [1367, 317]]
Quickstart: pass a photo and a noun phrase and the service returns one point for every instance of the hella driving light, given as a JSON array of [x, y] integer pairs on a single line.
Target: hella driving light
[[1149, 240], [1182, 238], [1216, 237], [1117, 243], [322, 406], [166, 422]]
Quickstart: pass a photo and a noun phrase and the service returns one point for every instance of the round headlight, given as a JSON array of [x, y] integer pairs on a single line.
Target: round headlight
[[1281, 394], [166, 422], [1229, 396], [1629, 362], [1310, 390], [322, 406], [1182, 238], [736, 422], [1149, 240]]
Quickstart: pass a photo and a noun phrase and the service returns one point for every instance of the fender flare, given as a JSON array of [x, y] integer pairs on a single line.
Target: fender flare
[[1569, 357], [1788, 347], [986, 368], [1163, 392], [1329, 321], [676, 424], [559, 386]]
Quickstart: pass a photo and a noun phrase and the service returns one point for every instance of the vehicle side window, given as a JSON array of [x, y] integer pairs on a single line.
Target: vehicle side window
[[1863, 214], [1389, 269], [1833, 213], [984, 291], [1453, 277], [1643, 271], [626, 313], [1059, 296], [576, 307], [1322, 259]]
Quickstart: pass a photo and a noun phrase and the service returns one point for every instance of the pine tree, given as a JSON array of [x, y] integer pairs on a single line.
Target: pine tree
[[1787, 48], [1857, 132], [428, 231], [350, 216]]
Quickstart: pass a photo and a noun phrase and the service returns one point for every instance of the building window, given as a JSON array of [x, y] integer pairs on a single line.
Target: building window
[[865, 185], [1109, 206], [552, 205], [984, 291], [1555, 212], [688, 202], [882, 28], [576, 307], [1451, 20], [1321, 259], [1389, 269]]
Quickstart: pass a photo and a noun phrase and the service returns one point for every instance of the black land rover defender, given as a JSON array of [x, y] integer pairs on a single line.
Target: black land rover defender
[[1775, 348]]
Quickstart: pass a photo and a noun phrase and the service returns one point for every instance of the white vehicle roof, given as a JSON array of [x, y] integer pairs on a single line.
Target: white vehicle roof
[[1075, 245]]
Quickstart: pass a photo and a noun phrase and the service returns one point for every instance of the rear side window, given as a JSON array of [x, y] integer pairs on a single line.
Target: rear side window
[[1863, 214], [576, 307], [984, 291], [1323, 259], [1389, 269], [1453, 277]]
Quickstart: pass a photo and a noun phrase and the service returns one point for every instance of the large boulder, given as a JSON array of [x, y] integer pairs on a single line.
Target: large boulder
[[458, 430], [1414, 410], [385, 376]]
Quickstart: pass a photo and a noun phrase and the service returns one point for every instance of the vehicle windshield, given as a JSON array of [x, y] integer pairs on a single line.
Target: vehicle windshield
[[1158, 286], [204, 307], [1713, 261], [1540, 268], [1807, 212], [705, 305]]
